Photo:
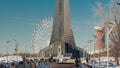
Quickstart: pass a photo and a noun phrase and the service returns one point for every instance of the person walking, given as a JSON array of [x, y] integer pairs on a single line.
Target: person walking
[[76, 62]]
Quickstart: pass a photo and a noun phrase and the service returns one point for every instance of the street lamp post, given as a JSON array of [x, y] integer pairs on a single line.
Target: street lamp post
[[107, 42], [25, 50], [6, 44], [84, 52], [90, 48], [94, 50], [87, 52], [93, 43], [7, 51]]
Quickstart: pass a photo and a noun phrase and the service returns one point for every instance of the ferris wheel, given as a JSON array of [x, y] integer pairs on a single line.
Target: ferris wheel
[[42, 34]]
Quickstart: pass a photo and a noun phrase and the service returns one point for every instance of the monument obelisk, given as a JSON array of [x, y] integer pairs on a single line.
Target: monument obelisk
[[62, 29], [62, 39]]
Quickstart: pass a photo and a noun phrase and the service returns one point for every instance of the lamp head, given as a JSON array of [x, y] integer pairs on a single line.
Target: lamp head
[[118, 3]]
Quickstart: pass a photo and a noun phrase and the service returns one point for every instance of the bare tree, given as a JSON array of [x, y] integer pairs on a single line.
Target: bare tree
[[111, 13]]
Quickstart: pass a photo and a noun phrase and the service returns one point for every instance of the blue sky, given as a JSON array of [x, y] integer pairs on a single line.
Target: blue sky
[[19, 17]]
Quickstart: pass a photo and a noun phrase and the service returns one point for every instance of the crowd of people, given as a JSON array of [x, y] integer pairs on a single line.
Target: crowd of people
[[21, 64], [31, 63]]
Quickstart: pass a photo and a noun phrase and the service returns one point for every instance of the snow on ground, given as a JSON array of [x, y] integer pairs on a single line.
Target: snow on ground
[[11, 58]]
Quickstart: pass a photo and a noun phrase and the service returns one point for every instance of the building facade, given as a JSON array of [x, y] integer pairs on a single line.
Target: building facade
[[99, 38]]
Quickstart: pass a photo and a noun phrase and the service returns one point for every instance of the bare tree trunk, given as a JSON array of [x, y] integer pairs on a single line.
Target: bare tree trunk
[[112, 16]]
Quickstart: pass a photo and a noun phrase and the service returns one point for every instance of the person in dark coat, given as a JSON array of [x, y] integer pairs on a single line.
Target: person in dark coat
[[87, 60], [1, 66], [76, 62]]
